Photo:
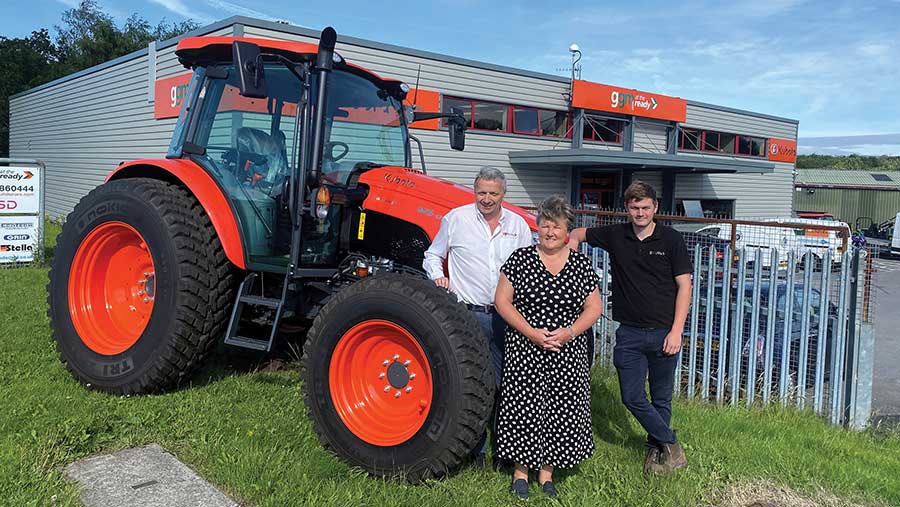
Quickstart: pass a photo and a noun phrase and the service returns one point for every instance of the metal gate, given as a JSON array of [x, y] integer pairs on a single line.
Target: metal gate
[[770, 326]]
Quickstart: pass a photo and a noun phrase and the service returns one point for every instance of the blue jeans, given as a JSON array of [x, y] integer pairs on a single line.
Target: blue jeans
[[494, 328], [639, 356]]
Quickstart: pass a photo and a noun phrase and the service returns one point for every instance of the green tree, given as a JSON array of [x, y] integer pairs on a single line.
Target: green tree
[[852, 162], [87, 37], [24, 63]]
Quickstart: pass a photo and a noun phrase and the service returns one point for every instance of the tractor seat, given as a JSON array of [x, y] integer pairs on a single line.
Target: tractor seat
[[256, 141]]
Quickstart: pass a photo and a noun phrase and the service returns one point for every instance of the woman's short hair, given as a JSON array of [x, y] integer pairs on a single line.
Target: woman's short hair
[[557, 209]]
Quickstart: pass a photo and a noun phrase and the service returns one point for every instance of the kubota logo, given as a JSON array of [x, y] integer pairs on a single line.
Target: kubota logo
[[16, 237], [777, 149], [397, 180], [16, 248]]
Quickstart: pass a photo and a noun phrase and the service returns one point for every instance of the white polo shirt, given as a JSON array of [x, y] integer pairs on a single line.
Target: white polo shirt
[[475, 254]]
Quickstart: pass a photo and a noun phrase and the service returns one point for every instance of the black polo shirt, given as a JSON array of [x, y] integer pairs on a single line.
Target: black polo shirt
[[643, 272]]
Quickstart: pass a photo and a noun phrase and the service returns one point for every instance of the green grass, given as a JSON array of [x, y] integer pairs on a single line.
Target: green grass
[[247, 432]]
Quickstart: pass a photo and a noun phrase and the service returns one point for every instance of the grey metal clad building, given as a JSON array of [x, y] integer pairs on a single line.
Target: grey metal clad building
[[548, 133], [856, 197]]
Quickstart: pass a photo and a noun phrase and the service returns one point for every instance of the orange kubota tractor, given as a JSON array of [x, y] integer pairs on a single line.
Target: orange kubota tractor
[[286, 197]]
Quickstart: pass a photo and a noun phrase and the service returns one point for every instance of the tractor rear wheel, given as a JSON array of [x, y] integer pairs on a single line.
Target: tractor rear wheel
[[398, 378], [139, 287]]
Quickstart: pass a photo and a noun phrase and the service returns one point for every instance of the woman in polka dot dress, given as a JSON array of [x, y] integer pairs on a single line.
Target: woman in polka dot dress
[[548, 296]]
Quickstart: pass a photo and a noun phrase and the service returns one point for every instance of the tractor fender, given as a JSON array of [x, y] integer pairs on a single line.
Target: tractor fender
[[203, 187]]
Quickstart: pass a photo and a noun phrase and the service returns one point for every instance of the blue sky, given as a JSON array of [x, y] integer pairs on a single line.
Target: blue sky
[[835, 66]]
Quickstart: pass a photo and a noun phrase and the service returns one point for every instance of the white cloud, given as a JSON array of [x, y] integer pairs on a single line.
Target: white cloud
[[70, 3], [178, 7], [240, 10]]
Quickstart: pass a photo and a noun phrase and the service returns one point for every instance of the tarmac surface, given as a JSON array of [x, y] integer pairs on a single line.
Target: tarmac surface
[[886, 293]]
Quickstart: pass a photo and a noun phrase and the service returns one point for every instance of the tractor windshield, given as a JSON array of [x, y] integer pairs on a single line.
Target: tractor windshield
[[249, 147], [252, 139]]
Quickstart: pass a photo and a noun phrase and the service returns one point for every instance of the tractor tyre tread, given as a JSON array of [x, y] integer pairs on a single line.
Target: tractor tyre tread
[[474, 364], [205, 290]]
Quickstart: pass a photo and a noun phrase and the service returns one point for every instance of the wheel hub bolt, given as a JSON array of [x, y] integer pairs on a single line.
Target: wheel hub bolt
[[146, 300], [385, 362], [406, 363], [140, 293], [387, 388], [412, 376], [396, 357], [409, 389], [397, 394], [381, 375]]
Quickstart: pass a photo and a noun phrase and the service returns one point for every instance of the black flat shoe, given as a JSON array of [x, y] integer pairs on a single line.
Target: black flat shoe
[[519, 487], [549, 489]]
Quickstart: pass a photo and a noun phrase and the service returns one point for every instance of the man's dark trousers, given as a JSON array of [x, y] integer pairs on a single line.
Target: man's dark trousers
[[494, 328], [638, 355]]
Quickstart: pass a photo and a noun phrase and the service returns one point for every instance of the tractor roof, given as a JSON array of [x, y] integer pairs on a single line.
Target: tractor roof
[[193, 51]]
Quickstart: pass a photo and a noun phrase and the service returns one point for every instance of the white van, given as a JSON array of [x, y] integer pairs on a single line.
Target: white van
[[895, 239], [818, 241], [753, 238]]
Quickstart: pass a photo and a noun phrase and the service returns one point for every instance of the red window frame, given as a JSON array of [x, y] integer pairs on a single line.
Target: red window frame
[[567, 135], [704, 143], [512, 121], [593, 137], [683, 146]]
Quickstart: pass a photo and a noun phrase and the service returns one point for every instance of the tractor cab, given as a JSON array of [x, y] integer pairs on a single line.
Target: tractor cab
[[252, 120]]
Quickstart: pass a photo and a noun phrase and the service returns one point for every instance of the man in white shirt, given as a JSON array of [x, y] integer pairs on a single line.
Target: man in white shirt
[[476, 240]]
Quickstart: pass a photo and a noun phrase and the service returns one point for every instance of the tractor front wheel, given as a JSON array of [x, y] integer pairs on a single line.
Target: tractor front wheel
[[138, 288], [397, 378]]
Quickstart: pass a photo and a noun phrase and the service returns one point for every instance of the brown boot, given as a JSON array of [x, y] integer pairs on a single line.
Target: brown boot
[[652, 458], [671, 458]]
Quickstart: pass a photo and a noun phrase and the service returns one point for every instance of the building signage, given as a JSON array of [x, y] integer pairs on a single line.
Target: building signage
[[19, 236], [782, 150], [601, 97], [169, 94], [20, 190]]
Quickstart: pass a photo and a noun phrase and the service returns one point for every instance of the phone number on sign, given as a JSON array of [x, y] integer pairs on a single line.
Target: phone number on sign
[[16, 188]]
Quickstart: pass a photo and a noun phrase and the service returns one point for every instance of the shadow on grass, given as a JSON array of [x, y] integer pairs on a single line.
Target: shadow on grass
[[228, 361], [611, 420]]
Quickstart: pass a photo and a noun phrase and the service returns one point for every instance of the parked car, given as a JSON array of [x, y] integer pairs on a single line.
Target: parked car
[[756, 346]]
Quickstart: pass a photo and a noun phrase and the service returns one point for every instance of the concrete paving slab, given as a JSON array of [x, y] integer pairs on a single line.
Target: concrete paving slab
[[144, 477]]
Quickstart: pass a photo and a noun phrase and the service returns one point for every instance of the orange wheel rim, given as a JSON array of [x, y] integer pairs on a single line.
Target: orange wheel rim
[[380, 382], [112, 285]]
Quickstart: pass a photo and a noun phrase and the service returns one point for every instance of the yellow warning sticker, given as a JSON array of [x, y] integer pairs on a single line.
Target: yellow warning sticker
[[362, 227]]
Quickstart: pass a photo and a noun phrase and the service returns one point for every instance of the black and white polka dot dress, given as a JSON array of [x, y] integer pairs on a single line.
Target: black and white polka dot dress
[[545, 410]]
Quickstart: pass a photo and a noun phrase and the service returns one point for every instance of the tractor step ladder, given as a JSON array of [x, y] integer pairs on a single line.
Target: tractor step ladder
[[244, 298]]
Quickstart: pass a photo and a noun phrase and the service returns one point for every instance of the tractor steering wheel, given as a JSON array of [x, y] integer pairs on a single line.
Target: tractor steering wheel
[[329, 150]]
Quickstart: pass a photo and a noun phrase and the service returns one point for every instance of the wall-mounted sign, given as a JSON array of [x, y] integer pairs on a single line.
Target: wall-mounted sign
[[612, 99], [19, 237], [782, 150], [169, 95], [20, 190]]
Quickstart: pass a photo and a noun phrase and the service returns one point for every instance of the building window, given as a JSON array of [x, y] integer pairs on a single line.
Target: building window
[[526, 121], [604, 130], [690, 139], [712, 208], [721, 142], [482, 115], [490, 116]]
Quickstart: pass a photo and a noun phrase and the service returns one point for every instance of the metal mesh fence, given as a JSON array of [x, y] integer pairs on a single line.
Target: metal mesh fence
[[773, 308]]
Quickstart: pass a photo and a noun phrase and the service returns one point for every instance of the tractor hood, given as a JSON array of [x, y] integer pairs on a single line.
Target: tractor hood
[[415, 197]]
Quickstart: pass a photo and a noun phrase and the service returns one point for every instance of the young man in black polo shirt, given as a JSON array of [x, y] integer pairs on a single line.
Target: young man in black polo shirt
[[651, 293]]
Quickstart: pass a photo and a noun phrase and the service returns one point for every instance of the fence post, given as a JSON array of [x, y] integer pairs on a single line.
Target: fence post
[[851, 372]]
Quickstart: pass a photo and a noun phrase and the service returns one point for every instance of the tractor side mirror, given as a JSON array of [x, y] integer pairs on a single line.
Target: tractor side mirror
[[248, 64], [456, 125]]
